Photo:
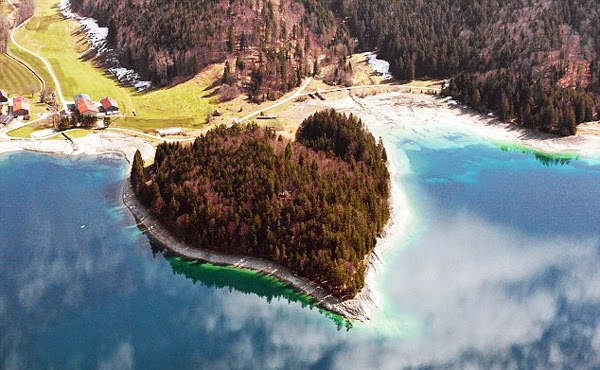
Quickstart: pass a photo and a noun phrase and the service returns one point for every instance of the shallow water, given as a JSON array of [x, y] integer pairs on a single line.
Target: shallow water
[[499, 267]]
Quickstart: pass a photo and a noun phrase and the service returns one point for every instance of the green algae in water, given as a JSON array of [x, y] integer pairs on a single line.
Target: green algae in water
[[547, 159], [241, 280], [248, 282]]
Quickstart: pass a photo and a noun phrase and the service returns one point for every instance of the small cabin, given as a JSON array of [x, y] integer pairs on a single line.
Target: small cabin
[[21, 106], [85, 106], [109, 105]]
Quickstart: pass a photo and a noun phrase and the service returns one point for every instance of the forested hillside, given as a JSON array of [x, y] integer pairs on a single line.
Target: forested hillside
[[536, 61], [270, 44], [243, 190], [25, 9]]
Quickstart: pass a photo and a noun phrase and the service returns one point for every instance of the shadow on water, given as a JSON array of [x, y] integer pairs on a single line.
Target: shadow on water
[[546, 159], [241, 280]]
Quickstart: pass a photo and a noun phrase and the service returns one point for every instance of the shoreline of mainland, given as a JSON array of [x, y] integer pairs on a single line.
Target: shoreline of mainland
[[414, 110]]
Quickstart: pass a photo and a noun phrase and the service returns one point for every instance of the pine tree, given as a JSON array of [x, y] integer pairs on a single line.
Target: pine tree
[[476, 99], [138, 178], [316, 68], [231, 39], [226, 73], [571, 122]]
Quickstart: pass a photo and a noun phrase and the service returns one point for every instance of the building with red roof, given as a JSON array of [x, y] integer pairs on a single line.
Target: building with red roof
[[109, 105], [85, 106], [21, 106]]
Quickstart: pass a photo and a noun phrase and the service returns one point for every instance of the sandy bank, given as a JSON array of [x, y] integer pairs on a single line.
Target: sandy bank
[[435, 117], [97, 143]]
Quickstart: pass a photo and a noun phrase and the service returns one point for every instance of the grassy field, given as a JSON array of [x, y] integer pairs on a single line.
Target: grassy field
[[16, 79], [24, 132], [32, 62], [75, 134], [59, 41]]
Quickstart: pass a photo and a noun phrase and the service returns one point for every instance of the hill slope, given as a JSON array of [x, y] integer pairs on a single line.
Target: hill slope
[[270, 45], [536, 61]]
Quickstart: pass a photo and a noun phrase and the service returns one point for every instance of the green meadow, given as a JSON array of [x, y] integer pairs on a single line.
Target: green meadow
[[62, 44], [15, 78]]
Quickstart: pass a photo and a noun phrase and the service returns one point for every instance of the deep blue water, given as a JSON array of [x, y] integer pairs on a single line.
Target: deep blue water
[[499, 269], [80, 286], [512, 189]]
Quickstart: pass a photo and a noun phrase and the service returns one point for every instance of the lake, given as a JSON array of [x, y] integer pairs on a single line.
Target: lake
[[499, 268]]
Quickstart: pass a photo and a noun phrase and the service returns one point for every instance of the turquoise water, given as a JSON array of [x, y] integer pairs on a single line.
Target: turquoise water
[[498, 268]]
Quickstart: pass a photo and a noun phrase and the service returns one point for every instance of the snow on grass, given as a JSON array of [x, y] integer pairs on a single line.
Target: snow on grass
[[97, 37], [379, 65]]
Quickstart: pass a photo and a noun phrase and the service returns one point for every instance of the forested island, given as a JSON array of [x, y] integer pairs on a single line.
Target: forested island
[[314, 205]]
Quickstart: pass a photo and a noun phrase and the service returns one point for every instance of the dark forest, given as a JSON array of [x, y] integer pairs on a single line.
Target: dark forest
[[269, 47], [536, 62]]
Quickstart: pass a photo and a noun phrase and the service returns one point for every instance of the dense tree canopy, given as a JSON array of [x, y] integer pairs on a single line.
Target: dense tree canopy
[[536, 61], [273, 44], [242, 190]]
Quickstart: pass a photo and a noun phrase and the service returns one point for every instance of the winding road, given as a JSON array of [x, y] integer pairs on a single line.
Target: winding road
[[278, 103], [46, 63]]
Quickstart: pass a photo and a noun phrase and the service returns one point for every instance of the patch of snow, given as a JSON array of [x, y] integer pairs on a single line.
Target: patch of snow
[[380, 66], [97, 37]]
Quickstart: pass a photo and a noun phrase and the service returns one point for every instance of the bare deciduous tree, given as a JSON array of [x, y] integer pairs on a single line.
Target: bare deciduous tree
[[25, 11], [4, 32]]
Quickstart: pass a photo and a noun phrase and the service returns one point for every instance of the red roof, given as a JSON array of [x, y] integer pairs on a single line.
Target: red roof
[[20, 103], [108, 103], [85, 105]]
